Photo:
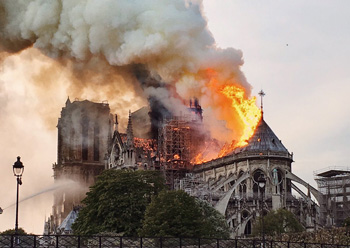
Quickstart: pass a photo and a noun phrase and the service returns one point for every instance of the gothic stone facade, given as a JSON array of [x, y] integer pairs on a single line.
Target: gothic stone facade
[[87, 145], [84, 132], [233, 188]]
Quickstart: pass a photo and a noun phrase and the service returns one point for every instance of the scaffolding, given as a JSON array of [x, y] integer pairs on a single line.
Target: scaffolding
[[334, 184], [195, 186], [176, 141], [178, 145]]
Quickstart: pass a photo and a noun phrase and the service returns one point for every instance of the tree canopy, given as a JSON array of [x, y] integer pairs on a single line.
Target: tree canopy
[[176, 214], [215, 225], [117, 202], [278, 222], [12, 231], [346, 223]]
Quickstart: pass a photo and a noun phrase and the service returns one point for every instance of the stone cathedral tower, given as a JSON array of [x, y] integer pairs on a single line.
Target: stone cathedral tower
[[84, 130]]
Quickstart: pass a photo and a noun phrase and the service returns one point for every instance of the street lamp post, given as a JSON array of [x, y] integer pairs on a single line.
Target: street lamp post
[[18, 169], [262, 184]]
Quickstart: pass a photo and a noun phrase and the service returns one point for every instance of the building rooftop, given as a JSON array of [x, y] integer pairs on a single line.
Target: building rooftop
[[66, 225], [332, 172], [264, 139]]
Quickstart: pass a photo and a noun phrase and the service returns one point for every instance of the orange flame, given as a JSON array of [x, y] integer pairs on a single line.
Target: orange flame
[[240, 112], [198, 159], [247, 110]]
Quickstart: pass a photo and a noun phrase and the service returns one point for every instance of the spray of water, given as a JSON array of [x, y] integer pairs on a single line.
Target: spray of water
[[57, 185]]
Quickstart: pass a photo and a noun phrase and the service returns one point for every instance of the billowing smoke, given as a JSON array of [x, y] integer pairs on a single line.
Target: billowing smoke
[[105, 42], [128, 52]]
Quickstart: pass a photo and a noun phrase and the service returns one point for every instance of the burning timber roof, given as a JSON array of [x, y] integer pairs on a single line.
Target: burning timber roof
[[264, 143], [264, 139]]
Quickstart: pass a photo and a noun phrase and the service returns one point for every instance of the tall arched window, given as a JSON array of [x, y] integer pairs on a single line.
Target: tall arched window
[[85, 138], [96, 143], [256, 176]]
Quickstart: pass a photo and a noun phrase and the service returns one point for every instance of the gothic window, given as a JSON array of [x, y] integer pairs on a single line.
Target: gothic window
[[243, 189], [60, 144], [245, 215], [85, 138], [116, 153], [72, 145], [256, 175], [96, 143], [248, 228]]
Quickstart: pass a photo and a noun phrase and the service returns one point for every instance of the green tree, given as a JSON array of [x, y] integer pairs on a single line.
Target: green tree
[[176, 214], [12, 231], [346, 223], [117, 202], [215, 225], [278, 222]]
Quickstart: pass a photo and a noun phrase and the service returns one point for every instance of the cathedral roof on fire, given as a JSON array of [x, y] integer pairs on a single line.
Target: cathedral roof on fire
[[264, 139]]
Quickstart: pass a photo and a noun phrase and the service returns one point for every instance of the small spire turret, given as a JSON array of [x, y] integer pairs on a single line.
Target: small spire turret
[[129, 132], [68, 101], [116, 123]]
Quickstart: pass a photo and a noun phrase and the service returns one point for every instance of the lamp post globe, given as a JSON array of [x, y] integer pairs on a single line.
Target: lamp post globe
[[18, 169], [261, 181]]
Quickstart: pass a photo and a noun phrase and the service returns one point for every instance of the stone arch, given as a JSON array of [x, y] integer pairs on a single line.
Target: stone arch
[[243, 188], [245, 213], [219, 177], [312, 190], [221, 205], [246, 226], [240, 173], [230, 174], [231, 183]]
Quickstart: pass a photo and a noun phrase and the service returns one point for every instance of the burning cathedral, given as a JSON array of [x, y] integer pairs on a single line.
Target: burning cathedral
[[89, 141], [163, 52]]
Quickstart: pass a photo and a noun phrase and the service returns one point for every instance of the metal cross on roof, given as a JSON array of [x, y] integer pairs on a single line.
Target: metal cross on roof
[[261, 94]]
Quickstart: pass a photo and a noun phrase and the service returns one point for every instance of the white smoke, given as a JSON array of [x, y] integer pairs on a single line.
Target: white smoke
[[168, 37]]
